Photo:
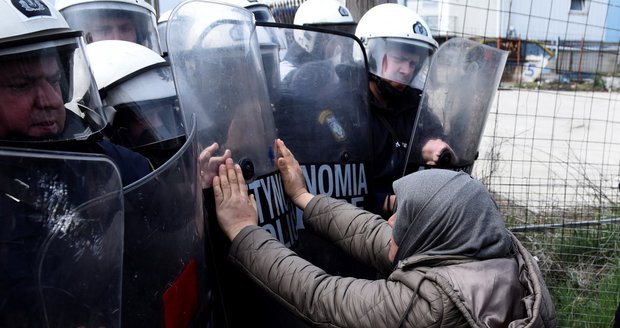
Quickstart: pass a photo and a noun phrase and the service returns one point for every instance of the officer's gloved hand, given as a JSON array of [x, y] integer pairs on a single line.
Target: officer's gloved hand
[[438, 152]]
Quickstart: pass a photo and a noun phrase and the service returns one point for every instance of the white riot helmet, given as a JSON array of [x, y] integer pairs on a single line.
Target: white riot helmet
[[310, 14], [129, 20], [137, 83], [328, 14], [35, 41], [398, 43]]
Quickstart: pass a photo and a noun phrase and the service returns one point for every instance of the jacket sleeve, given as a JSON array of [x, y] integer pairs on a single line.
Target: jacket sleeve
[[324, 300], [361, 234]]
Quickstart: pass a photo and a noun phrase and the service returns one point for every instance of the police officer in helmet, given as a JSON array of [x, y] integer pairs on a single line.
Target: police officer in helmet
[[48, 98], [399, 46], [136, 87], [327, 14], [132, 21], [50, 108]]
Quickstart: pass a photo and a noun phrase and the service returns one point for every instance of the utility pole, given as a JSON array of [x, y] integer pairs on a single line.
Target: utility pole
[[359, 7]]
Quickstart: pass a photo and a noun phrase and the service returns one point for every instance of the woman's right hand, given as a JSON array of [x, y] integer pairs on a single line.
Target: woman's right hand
[[293, 179]]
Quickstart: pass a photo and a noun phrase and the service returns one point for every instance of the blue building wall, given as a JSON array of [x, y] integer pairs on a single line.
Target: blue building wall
[[612, 33]]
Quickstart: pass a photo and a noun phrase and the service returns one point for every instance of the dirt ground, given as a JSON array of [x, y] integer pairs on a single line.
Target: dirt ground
[[544, 148]]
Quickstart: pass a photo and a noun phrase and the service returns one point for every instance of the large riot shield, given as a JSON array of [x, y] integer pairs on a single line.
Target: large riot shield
[[61, 241], [164, 279], [459, 91], [322, 116], [218, 72]]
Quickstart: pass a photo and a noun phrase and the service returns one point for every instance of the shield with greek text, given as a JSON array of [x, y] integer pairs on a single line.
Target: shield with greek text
[[218, 71]]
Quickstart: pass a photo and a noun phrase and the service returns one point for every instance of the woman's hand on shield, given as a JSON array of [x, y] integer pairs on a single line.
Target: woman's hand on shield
[[293, 178], [209, 164], [234, 207]]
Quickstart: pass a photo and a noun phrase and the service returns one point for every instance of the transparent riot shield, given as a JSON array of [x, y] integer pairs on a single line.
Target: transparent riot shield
[[270, 43], [322, 116], [164, 279], [459, 91], [61, 241], [218, 71]]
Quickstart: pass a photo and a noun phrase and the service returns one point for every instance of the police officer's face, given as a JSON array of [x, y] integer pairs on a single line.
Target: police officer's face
[[399, 67], [31, 103], [113, 28]]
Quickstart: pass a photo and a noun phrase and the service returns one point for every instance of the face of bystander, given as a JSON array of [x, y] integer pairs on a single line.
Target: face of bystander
[[31, 103]]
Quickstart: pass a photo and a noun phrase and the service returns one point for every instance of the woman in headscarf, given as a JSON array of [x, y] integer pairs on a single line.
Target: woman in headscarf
[[448, 258]]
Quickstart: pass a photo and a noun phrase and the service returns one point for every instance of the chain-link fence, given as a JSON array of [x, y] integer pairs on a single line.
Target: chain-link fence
[[551, 149]]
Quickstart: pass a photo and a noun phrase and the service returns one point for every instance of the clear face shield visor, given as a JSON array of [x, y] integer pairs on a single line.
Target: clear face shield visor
[[147, 109], [47, 91], [403, 61], [114, 21]]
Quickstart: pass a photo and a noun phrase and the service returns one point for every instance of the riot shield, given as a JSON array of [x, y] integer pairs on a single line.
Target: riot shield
[[218, 72], [270, 43], [322, 116], [61, 242], [459, 91], [164, 279]]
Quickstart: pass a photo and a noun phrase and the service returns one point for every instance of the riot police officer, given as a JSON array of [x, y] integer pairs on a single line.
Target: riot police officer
[[311, 47], [127, 20], [136, 86], [61, 242], [328, 14], [49, 99], [399, 45]]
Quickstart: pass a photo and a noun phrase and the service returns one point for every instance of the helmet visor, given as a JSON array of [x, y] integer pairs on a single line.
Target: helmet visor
[[114, 21], [147, 109], [398, 60], [47, 92]]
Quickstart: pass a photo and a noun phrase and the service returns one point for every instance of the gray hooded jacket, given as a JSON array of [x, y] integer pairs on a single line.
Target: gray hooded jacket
[[427, 288]]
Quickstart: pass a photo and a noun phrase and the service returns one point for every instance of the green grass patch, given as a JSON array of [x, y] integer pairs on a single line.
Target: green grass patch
[[581, 267]]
